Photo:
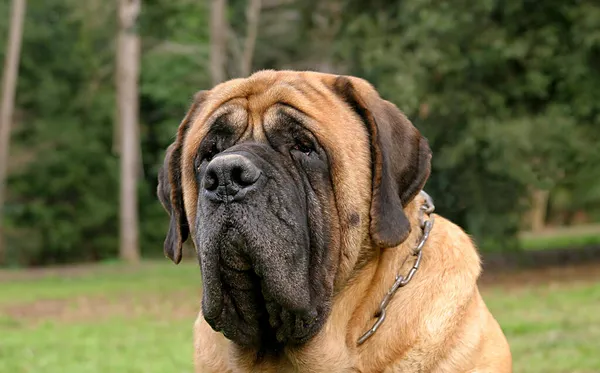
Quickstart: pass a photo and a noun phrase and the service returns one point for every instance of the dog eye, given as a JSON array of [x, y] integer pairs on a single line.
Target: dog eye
[[206, 156], [303, 148], [211, 153], [209, 156]]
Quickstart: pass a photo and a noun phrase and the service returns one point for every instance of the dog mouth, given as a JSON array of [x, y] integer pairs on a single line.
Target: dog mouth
[[252, 301], [250, 316]]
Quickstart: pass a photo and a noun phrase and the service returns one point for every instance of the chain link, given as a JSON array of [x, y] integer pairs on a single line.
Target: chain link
[[426, 209]]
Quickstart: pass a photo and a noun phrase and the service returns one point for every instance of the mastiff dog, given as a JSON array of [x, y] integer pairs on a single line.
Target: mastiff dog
[[319, 252]]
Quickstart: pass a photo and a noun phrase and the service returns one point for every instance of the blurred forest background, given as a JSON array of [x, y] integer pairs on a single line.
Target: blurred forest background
[[507, 92]]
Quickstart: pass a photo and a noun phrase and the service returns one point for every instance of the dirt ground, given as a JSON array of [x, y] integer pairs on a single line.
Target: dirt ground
[[520, 277], [496, 277], [66, 271], [97, 308], [531, 277], [183, 304]]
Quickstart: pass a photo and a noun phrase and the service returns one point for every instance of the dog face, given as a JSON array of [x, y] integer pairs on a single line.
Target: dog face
[[286, 182]]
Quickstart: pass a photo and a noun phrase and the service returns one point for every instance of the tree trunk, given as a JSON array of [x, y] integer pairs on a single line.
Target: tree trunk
[[539, 208], [218, 40], [252, 20], [9, 86], [128, 65]]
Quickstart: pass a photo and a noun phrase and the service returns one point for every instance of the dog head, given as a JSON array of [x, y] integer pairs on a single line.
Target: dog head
[[283, 181]]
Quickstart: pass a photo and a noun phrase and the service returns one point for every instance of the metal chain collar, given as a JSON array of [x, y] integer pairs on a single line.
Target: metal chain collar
[[426, 209]]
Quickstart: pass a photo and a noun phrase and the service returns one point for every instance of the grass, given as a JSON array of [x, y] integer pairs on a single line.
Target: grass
[[115, 345], [109, 320], [560, 242], [114, 319], [111, 279], [561, 238], [551, 328]]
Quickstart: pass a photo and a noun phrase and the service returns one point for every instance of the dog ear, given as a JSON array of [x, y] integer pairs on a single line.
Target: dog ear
[[170, 191], [401, 159]]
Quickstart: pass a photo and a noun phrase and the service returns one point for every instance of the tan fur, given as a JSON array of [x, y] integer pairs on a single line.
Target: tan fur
[[438, 323]]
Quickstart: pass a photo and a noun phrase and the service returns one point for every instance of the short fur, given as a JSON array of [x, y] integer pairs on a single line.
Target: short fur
[[356, 197]]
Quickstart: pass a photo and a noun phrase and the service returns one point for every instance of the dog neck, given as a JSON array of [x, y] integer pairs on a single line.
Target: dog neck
[[380, 272], [335, 347], [356, 304], [425, 224]]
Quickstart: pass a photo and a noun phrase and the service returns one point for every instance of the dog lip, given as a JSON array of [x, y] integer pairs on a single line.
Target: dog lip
[[212, 309], [240, 266], [266, 292], [238, 279], [285, 325], [241, 333]]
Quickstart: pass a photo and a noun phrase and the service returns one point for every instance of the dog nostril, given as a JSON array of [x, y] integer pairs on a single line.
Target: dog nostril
[[211, 181], [243, 176], [227, 176], [236, 176]]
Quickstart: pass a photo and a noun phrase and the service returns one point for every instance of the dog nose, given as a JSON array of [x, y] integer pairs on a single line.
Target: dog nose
[[229, 177]]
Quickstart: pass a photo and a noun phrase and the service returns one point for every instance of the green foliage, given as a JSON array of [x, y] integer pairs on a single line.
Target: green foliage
[[63, 196], [63, 203], [506, 92]]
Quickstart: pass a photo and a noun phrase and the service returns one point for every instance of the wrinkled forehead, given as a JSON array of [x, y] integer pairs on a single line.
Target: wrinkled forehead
[[250, 107]]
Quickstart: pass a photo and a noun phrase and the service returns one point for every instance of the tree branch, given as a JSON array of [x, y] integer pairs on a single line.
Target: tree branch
[[218, 40], [252, 22]]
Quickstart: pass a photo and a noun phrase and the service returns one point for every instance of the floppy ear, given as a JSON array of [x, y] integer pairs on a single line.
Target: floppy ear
[[170, 191], [401, 159]]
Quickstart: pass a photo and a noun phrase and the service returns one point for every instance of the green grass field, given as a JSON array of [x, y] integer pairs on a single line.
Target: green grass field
[[561, 238], [113, 319]]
